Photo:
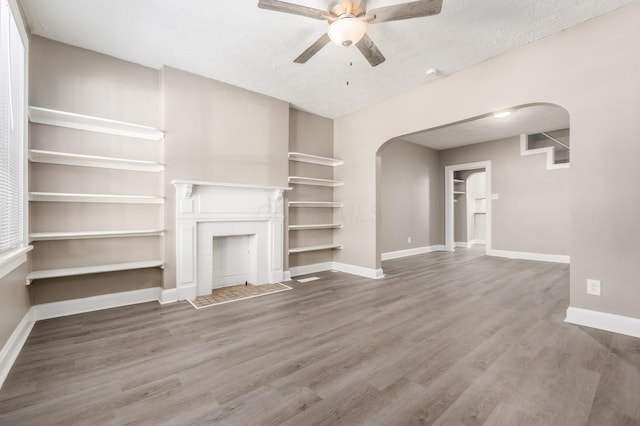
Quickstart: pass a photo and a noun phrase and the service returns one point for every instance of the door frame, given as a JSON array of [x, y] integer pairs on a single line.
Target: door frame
[[449, 199]]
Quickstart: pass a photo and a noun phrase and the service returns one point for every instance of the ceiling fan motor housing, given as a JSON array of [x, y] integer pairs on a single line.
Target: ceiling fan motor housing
[[356, 8]]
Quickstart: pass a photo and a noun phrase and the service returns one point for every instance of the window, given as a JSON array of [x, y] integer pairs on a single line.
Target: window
[[12, 135]]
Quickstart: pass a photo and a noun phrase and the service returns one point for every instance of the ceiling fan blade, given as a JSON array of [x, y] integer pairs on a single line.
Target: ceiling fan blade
[[414, 9], [370, 51], [313, 49], [294, 9]]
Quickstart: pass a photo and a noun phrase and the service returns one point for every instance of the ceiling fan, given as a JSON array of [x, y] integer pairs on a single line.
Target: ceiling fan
[[348, 21]]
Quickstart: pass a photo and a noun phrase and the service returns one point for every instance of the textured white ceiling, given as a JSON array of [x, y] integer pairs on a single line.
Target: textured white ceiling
[[240, 44], [525, 120]]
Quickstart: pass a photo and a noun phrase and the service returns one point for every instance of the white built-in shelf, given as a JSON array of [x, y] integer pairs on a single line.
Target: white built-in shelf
[[299, 180], [458, 181], [72, 120], [49, 236], [458, 192], [317, 226], [68, 159], [331, 204], [84, 270], [94, 198], [314, 159], [315, 248]]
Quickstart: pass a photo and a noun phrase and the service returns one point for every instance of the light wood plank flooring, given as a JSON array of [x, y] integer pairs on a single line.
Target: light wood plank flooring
[[445, 338]]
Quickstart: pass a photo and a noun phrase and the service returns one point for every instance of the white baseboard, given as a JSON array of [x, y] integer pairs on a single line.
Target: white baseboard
[[286, 276], [168, 296], [188, 292], [461, 244], [295, 271], [361, 271], [342, 267], [542, 257], [12, 348], [410, 252], [95, 303], [603, 321]]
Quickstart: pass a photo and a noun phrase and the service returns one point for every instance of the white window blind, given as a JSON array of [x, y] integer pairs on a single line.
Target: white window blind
[[12, 135]]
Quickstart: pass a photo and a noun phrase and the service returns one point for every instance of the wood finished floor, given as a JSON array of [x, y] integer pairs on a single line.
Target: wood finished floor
[[445, 338]]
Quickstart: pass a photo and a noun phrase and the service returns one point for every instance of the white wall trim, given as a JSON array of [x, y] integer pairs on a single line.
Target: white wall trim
[[13, 259], [169, 295], [295, 271], [449, 199], [342, 267], [549, 151], [286, 276], [462, 244], [12, 348], [361, 271], [541, 257], [95, 303], [410, 252], [604, 321]]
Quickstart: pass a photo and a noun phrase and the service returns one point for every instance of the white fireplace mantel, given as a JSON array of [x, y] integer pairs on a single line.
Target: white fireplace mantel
[[207, 210]]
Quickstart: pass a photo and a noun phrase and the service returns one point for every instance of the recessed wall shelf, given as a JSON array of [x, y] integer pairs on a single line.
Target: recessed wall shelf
[[314, 159], [50, 236], [69, 159], [317, 221], [315, 248], [299, 180], [94, 198], [84, 270], [318, 226], [331, 204], [72, 120]]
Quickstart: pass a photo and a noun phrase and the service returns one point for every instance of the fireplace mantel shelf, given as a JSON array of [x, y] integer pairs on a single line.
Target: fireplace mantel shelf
[[228, 185]]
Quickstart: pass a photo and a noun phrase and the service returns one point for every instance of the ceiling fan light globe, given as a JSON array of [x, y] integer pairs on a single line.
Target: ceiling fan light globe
[[347, 31]]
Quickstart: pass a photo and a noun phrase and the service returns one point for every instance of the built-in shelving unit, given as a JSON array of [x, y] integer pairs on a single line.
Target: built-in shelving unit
[[62, 197], [69, 159], [458, 188], [329, 204], [314, 159], [94, 269], [315, 248], [318, 226], [72, 120], [313, 227], [299, 180], [51, 238]]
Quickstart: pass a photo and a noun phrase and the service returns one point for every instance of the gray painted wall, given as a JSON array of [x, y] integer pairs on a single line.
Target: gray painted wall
[[220, 133], [531, 215], [410, 203], [14, 301], [532, 212]]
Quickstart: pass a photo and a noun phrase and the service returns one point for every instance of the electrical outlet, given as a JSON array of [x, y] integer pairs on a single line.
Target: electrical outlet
[[593, 287], [408, 240]]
